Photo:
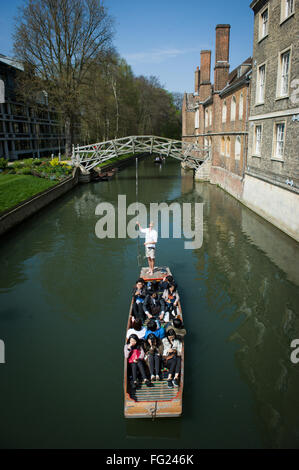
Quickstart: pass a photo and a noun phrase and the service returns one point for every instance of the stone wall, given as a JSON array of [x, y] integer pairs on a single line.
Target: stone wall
[[282, 36], [277, 205]]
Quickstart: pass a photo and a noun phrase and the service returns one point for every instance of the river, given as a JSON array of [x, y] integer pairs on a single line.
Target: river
[[64, 301]]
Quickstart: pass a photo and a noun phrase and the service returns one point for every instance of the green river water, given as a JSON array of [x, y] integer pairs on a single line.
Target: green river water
[[64, 301]]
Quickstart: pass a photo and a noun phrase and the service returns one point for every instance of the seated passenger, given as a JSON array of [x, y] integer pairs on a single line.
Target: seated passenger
[[177, 325], [172, 350], [154, 306], [136, 329], [135, 354], [171, 298], [153, 348], [154, 327], [139, 294], [164, 284]]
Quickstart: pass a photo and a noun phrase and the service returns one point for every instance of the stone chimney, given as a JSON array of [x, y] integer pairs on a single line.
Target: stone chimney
[[205, 75], [197, 80], [221, 70]]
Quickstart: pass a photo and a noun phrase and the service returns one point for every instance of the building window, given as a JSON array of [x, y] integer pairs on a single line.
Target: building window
[[261, 78], [210, 117], [206, 117], [264, 24], [238, 148], [227, 149], [223, 146], [287, 9], [224, 111], [279, 139], [233, 109], [283, 74], [241, 107], [257, 140], [197, 119]]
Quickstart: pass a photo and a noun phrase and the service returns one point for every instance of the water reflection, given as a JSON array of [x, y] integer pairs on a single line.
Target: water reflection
[[250, 265]]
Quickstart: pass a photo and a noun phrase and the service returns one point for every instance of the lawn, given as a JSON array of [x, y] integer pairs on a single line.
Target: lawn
[[17, 188]]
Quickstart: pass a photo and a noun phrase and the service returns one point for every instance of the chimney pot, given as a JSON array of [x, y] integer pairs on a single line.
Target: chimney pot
[[221, 70], [205, 67]]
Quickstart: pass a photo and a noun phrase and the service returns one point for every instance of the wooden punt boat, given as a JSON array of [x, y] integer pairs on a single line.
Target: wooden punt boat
[[158, 401]]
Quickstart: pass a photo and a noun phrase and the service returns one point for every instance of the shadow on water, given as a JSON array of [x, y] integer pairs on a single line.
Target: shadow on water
[[164, 428]]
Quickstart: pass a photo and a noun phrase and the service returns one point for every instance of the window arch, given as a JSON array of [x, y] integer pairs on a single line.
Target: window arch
[[238, 148], [196, 119], [223, 146], [233, 109], [227, 147], [206, 117], [224, 111], [241, 107]]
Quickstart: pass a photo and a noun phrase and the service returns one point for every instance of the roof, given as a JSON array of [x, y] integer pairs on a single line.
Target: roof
[[234, 73], [12, 62], [255, 3], [234, 80]]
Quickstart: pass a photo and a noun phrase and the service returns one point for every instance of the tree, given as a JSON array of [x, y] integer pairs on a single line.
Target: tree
[[58, 41], [178, 100]]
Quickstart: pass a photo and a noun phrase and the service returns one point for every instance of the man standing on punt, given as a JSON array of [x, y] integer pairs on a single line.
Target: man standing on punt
[[151, 238]]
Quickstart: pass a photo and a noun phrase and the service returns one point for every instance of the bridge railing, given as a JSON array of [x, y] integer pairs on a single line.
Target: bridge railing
[[89, 156]]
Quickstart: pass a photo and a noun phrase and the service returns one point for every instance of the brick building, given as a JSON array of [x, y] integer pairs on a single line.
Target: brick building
[[217, 115], [24, 131], [250, 116]]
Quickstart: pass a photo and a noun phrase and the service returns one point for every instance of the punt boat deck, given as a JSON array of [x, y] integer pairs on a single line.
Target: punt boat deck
[[158, 401]]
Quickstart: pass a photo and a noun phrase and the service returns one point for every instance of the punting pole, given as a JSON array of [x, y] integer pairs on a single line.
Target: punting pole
[[139, 256]]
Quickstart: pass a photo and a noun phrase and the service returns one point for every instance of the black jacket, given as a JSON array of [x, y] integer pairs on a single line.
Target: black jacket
[[150, 305], [142, 295]]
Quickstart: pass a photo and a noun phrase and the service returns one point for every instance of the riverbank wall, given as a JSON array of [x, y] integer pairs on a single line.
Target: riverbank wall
[[277, 205]]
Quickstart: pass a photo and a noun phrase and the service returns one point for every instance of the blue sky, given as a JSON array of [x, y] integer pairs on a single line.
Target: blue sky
[[164, 37]]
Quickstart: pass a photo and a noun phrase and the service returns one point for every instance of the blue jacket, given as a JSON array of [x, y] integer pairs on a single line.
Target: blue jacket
[[159, 333]]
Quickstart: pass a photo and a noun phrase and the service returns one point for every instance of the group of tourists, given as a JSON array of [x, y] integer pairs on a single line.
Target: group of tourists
[[154, 339]]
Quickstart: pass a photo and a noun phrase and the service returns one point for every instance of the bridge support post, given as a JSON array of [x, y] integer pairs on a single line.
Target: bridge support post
[[115, 147]]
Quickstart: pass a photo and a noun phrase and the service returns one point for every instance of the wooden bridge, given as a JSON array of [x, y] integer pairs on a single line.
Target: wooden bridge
[[89, 156]]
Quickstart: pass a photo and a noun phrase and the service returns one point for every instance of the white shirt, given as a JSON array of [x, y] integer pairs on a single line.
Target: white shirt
[[176, 344], [150, 236], [140, 333]]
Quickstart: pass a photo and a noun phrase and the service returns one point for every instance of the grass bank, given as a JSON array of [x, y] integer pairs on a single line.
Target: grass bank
[[15, 189]]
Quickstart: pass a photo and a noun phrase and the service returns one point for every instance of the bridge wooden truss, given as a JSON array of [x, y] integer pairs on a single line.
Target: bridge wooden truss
[[89, 156]]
